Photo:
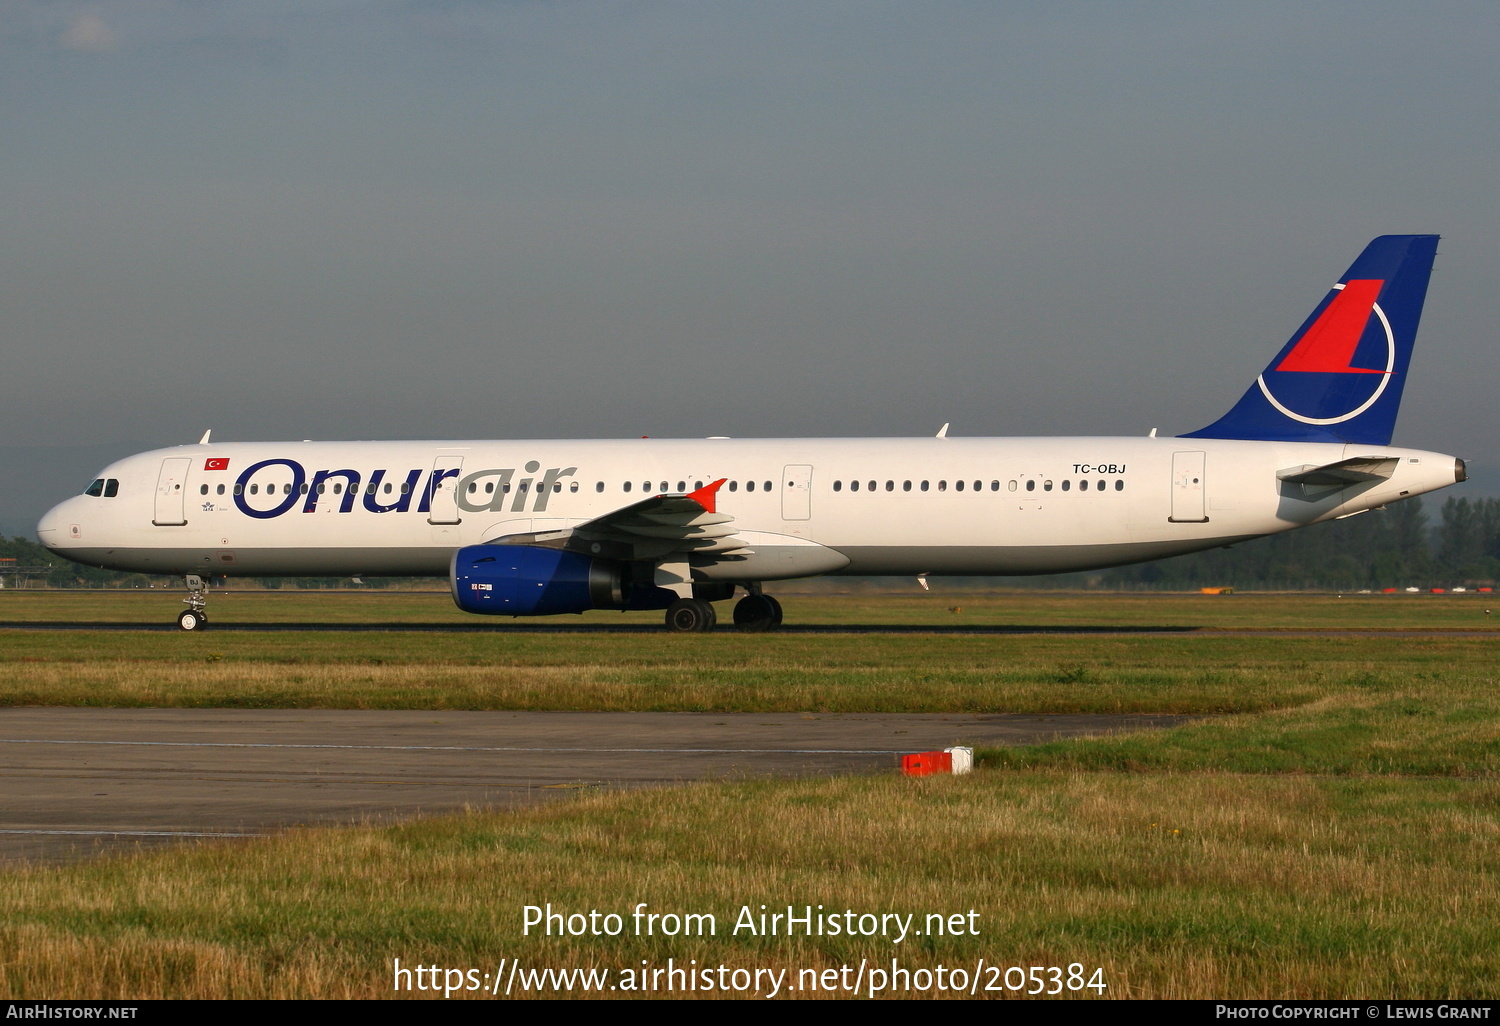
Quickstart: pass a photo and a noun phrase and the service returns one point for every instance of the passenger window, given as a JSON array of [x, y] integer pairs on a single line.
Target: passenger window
[[906, 486], [627, 486], [573, 487], [220, 490], [924, 486], [838, 486], [750, 486], [681, 486], [871, 488], [697, 486], [979, 485], [734, 486], [598, 486], [556, 487], [958, 485], [942, 486], [663, 486], [854, 486], [203, 490], [304, 487], [96, 489], [890, 486], [1011, 486], [405, 487], [239, 489], [1067, 485], [1031, 486], [768, 485], [1119, 486], [1046, 486]]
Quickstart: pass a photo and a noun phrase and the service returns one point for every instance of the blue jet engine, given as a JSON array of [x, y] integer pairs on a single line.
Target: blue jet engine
[[529, 580]]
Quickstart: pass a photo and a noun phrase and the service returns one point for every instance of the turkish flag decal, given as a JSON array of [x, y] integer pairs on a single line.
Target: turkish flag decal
[[217, 463]]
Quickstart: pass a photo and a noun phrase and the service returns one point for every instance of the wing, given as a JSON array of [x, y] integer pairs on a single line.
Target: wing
[[662, 528]]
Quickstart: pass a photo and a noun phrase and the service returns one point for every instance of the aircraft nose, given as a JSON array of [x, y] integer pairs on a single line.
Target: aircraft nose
[[53, 530]]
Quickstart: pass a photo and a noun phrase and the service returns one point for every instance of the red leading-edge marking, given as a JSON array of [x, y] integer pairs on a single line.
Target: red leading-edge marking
[[707, 496], [1327, 347]]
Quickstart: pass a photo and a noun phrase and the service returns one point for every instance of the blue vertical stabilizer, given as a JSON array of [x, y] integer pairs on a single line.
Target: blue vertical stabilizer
[[1340, 377]]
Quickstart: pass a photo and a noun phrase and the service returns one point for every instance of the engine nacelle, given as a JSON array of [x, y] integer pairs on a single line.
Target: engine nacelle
[[527, 580]]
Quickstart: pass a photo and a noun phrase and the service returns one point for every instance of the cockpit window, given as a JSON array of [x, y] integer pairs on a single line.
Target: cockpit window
[[96, 489], [111, 488]]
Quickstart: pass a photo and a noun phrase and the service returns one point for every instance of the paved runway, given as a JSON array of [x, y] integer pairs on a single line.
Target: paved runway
[[79, 781]]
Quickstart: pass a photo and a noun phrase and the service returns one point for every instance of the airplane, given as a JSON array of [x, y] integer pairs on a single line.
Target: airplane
[[535, 528]]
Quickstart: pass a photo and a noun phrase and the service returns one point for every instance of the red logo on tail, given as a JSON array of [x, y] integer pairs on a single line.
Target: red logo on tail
[[1327, 347]]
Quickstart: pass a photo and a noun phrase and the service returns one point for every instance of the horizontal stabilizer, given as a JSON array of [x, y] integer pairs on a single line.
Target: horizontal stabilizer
[[1342, 474]]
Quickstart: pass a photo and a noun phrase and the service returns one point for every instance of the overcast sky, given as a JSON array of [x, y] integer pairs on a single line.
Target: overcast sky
[[449, 219]]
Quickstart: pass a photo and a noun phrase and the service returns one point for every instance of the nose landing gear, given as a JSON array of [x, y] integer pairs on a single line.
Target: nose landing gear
[[194, 617]]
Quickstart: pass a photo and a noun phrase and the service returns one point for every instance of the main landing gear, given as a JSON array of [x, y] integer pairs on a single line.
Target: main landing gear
[[755, 613], [194, 617], [691, 614]]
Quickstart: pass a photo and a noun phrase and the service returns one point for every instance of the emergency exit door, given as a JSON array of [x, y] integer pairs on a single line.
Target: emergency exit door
[[796, 493], [1189, 505]]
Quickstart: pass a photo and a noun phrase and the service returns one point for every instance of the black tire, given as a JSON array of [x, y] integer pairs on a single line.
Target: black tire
[[754, 614], [687, 615], [191, 620]]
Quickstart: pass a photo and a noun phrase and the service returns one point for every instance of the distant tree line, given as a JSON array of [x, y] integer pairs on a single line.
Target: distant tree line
[[62, 574], [1391, 548], [1395, 547]]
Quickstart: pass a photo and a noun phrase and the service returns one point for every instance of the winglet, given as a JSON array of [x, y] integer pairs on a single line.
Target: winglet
[[707, 496]]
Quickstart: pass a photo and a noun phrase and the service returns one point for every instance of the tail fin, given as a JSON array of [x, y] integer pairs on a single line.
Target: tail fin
[[1340, 377]]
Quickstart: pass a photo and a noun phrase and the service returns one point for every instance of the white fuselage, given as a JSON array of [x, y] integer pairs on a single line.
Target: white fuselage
[[969, 506]]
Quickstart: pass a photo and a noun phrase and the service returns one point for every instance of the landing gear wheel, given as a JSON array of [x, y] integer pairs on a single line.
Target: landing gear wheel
[[194, 617], [756, 613], [691, 615]]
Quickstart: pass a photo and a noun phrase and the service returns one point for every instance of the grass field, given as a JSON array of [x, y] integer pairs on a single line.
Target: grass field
[[1331, 831]]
